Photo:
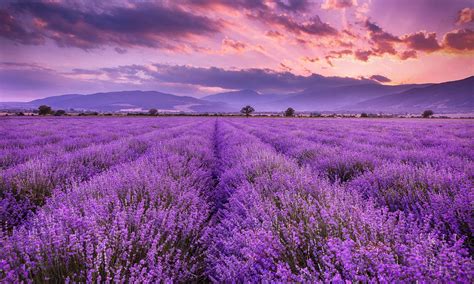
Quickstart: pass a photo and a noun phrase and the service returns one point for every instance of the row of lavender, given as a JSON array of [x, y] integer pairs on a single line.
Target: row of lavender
[[246, 200], [59, 136], [425, 171], [288, 220], [126, 211]]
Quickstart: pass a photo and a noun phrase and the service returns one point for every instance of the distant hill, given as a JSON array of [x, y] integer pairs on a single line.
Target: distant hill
[[237, 99], [339, 97], [129, 101], [455, 96], [330, 95]]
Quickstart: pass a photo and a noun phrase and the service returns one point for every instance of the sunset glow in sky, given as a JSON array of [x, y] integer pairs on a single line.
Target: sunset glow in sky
[[200, 47]]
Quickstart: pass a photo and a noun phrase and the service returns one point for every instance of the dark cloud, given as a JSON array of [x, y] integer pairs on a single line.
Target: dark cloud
[[422, 41], [334, 54], [143, 24], [313, 26], [274, 34], [11, 29], [380, 78], [237, 4], [407, 54], [383, 41], [310, 59], [256, 79], [363, 55], [120, 50], [253, 5], [387, 43], [459, 40], [292, 5]]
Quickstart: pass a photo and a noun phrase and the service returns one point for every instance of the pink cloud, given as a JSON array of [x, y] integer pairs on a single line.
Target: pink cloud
[[465, 16]]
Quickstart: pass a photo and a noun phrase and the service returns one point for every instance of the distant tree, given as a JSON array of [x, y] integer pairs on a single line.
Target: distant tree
[[364, 114], [153, 111], [44, 110], [247, 110], [427, 113], [59, 112], [289, 112]]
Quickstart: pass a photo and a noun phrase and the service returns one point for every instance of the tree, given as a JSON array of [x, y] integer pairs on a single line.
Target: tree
[[289, 112], [44, 110], [153, 111], [247, 110], [60, 112], [427, 113]]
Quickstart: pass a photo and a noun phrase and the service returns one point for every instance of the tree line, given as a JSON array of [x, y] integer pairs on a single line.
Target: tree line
[[246, 110]]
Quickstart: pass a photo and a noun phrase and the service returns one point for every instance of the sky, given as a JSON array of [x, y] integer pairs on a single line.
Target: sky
[[202, 47]]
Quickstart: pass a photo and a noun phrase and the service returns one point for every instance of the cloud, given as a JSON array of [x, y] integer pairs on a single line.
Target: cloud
[[363, 55], [382, 40], [12, 30], [465, 16], [141, 24], [274, 34], [407, 54], [338, 4], [335, 54], [233, 45], [459, 40], [292, 5], [422, 41], [380, 78], [253, 78], [313, 26], [310, 59]]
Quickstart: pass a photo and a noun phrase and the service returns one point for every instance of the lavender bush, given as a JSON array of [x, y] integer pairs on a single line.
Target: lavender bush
[[236, 200]]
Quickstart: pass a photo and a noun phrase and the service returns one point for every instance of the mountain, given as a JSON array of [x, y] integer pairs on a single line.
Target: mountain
[[129, 101], [454, 96], [334, 95], [238, 99], [338, 97]]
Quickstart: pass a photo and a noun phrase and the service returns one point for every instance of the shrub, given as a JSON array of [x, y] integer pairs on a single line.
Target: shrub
[[60, 112], [153, 111]]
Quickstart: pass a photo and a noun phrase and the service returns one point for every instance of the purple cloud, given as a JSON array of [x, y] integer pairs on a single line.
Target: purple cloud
[[144, 24], [380, 78], [422, 41], [459, 40]]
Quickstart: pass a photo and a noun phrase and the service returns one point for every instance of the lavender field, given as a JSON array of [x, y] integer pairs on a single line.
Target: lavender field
[[179, 199]]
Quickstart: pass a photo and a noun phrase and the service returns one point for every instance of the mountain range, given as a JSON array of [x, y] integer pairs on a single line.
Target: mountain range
[[326, 95]]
